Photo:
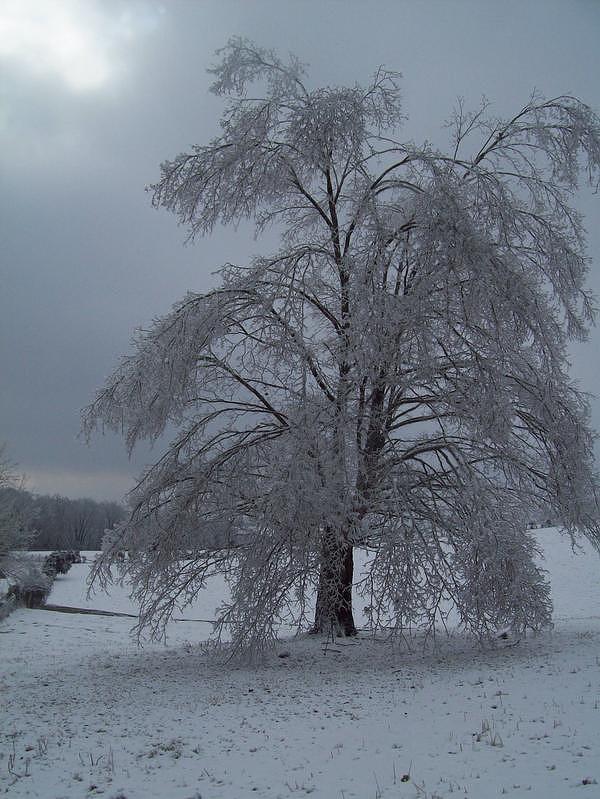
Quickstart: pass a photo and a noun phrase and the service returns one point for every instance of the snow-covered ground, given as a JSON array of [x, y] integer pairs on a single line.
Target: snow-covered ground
[[84, 712]]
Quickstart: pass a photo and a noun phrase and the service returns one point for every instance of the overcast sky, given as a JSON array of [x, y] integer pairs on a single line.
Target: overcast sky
[[94, 94]]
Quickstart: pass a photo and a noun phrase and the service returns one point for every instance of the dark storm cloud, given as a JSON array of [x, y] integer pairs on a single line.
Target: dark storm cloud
[[85, 259]]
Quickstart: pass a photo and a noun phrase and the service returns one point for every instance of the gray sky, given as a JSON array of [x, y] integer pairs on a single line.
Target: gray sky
[[94, 94]]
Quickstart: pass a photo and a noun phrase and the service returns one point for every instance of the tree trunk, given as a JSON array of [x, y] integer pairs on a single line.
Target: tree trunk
[[333, 612]]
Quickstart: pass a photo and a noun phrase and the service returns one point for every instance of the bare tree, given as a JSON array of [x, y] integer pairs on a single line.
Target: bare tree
[[15, 534], [394, 377]]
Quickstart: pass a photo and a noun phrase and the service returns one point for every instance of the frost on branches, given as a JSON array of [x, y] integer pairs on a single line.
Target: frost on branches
[[393, 378], [14, 533]]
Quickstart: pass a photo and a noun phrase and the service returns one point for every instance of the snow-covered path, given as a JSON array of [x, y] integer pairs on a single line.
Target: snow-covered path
[[85, 712]]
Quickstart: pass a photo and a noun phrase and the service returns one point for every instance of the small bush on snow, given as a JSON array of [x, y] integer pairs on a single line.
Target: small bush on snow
[[31, 586]]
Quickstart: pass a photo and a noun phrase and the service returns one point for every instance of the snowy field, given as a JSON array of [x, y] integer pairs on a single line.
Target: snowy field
[[86, 713]]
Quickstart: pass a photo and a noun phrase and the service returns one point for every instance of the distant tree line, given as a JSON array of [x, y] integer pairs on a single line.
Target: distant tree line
[[58, 522]]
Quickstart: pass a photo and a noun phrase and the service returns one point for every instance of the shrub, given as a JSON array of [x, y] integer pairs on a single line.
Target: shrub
[[59, 563], [31, 586]]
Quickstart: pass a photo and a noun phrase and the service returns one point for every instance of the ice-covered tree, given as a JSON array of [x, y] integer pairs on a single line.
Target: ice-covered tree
[[394, 377], [14, 532]]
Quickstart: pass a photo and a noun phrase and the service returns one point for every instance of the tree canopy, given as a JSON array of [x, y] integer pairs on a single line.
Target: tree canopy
[[394, 377]]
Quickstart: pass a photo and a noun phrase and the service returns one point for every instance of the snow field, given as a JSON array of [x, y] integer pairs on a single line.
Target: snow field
[[85, 712]]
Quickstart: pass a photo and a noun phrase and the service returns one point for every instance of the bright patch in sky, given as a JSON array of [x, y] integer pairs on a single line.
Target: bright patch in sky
[[71, 39]]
